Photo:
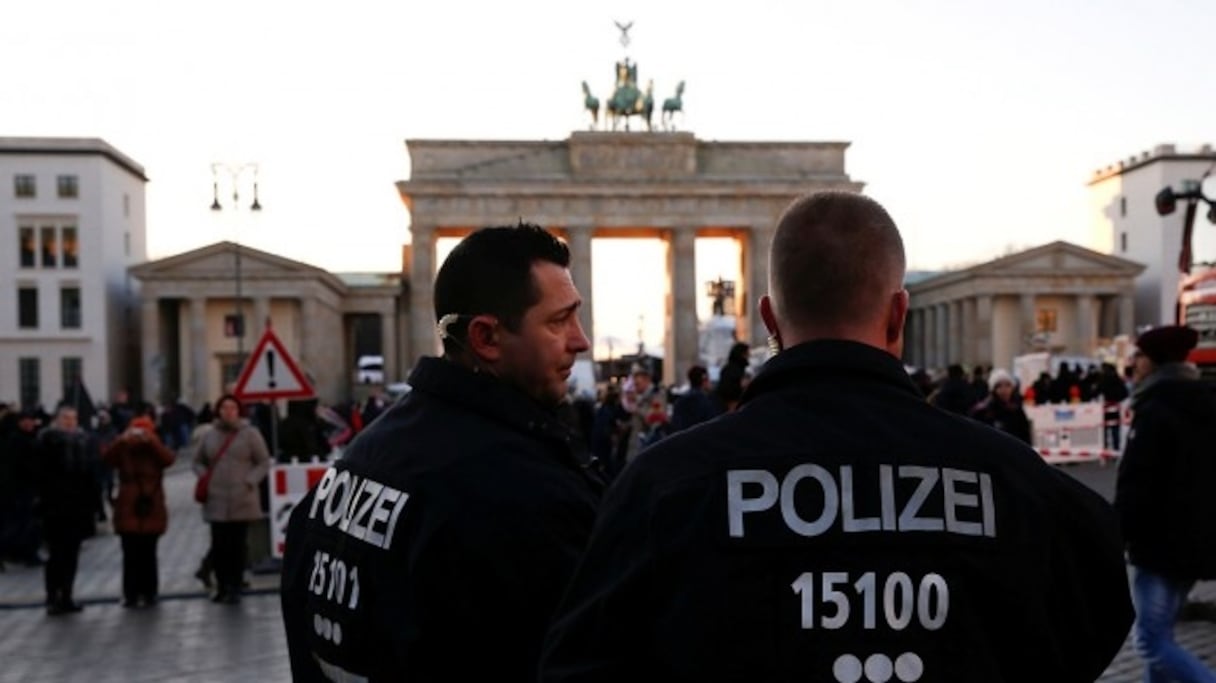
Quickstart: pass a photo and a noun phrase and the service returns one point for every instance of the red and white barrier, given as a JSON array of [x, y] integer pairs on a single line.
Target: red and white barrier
[[1067, 456], [288, 485]]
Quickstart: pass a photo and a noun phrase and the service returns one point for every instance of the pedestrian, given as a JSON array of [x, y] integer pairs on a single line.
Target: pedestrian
[[836, 526], [695, 405], [20, 536], [732, 379], [140, 515], [437, 548], [67, 501], [955, 393], [1002, 408], [1164, 497], [235, 454]]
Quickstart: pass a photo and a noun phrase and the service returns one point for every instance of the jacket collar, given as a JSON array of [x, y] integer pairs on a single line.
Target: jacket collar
[[486, 395], [828, 358]]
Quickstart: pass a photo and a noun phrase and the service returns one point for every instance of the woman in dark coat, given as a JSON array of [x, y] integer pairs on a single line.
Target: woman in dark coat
[[1003, 407], [140, 516]]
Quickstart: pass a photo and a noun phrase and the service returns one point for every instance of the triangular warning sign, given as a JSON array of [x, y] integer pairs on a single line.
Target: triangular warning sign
[[270, 372]]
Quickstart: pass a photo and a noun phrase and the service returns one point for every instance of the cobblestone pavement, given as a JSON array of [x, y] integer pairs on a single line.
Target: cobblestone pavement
[[187, 638]]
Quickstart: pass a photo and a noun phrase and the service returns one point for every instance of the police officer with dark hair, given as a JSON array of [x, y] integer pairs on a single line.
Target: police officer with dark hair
[[438, 548], [837, 527]]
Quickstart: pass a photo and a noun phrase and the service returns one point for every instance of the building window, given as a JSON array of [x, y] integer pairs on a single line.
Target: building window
[[230, 370], [69, 186], [1123, 242], [27, 308], [50, 243], [71, 247], [126, 243], [126, 206], [29, 376], [24, 186], [27, 246], [1045, 320], [1123, 207], [69, 308], [72, 369]]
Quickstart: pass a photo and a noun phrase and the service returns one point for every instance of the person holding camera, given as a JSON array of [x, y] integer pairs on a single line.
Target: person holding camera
[[140, 516]]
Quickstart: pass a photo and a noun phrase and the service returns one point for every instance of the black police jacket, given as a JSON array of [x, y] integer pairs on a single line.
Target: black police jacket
[[1167, 474], [437, 549], [839, 528]]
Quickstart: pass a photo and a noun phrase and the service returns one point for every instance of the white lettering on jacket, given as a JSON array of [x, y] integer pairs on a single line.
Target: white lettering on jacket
[[358, 507], [957, 489]]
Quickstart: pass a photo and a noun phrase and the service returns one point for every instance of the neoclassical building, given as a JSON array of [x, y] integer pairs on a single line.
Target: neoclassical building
[[190, 347], [1057, 297], [604, 184]]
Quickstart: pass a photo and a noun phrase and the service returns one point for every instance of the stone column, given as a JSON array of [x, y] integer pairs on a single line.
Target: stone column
[[423, 339], [930, 336], [1028, 324], [309, 343], [578, 238], [152, 357], [983, 329], [261, 313], [954, 337], [942, 335], [1085, 324], [200, 387], [388, 344], [1127, 319], [682, 267], [970, 350], [759, 241], [910, 338]]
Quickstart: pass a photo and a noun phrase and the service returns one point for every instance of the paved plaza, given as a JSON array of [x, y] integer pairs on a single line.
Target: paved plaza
[[187, 638]]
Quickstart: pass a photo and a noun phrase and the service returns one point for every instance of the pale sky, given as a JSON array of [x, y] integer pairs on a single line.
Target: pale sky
[[976, 123]]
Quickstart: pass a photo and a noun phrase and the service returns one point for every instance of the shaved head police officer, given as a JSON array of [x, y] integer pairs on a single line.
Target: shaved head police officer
[[837, 527], [437, 549]]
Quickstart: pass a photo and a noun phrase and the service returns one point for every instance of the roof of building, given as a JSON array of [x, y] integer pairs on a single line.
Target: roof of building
[[72, 147], [1165, 152]]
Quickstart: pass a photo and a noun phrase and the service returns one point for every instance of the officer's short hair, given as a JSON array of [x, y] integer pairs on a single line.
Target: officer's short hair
[[490, 273], [836, 256]]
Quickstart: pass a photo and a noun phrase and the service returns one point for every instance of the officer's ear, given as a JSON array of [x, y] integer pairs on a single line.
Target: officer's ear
[[485, 339], [895, 320], [769, 318]]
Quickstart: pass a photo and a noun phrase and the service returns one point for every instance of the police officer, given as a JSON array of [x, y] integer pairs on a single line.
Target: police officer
[[437, 549], [837, 527]]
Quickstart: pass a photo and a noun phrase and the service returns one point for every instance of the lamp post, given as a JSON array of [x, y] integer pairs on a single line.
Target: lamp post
[[234, 173]]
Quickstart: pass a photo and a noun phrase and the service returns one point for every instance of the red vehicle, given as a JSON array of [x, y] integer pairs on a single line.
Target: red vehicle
[[1197, 309]]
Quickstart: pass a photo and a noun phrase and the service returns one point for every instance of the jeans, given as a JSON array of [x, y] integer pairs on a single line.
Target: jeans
[[1157, 600], [228, 555], [140, 578]]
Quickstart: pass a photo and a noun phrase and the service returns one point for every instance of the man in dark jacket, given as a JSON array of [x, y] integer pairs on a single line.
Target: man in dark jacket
[[836, 527], [694, 406], [68, 491], [437, 549], [1164, 496]]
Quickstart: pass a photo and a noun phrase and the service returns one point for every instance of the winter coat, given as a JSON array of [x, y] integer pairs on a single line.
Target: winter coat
[[1167, 475], [455, 518], [1008, 418], [233, 495], [67, 473], [835, 494], [140, 461]]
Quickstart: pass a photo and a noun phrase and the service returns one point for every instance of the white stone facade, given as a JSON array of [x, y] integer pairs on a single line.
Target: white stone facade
[[1125, 223], [106, 221]]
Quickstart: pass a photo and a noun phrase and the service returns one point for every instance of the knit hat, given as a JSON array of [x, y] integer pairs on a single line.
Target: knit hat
[[1000, 375], [1168, 343]]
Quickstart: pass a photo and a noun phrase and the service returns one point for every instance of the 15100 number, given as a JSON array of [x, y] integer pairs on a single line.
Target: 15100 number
[[331, 580], [902, 600]]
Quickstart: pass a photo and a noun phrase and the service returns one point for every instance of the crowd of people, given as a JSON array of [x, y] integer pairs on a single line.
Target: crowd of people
[[85, 469]]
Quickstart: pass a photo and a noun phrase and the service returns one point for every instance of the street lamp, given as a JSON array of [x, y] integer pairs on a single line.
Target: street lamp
[[1191, 192], [235, 172]]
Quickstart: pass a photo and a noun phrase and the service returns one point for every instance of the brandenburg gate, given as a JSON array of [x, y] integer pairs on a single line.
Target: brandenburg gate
[[667, 185]]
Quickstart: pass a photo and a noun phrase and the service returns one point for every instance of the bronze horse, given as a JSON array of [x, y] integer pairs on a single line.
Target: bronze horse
[[592, 104], [671, 105]]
